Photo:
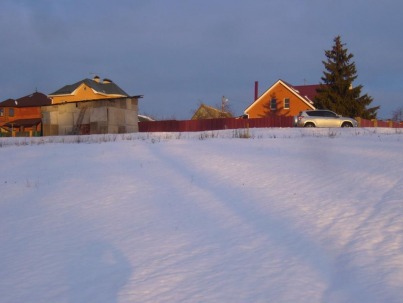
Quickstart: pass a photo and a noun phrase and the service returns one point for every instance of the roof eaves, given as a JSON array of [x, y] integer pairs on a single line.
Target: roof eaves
[[262, 96], [103, 99], [290, 87], [7, 102]]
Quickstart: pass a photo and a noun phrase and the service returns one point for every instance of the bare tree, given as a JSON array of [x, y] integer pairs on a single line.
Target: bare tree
[[397, 114]]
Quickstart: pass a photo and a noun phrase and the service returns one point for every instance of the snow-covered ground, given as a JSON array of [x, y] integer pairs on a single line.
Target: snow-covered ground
[[288, 215]]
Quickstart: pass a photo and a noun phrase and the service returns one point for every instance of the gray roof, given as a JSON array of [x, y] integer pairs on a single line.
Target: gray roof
[[105, 87]]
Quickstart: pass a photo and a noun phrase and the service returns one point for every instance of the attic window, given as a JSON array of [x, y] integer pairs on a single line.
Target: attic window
[[1, 112], [11, 112], [273, 104]]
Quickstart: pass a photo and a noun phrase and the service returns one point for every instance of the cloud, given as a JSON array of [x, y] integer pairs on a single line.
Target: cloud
[[178, 52]]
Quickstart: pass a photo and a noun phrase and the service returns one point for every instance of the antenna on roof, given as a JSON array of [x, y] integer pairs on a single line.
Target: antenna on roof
[[304, 81]]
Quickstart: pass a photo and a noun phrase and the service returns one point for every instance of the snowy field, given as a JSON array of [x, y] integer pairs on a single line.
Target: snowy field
[[286, 215]]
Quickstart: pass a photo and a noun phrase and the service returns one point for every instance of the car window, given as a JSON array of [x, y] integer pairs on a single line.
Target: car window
[[321, 113], [327, 113], [313, 113]]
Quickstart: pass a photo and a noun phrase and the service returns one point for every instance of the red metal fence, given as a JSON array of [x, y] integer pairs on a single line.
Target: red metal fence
[[379, 123], [234, 123], [213, 124]]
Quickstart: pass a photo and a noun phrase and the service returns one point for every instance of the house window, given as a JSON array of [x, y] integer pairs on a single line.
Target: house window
[[1, 112], [11, 112], [287, 103], [273, 104]]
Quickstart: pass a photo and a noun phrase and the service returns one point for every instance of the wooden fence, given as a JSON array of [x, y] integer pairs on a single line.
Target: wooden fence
[[235, 123]]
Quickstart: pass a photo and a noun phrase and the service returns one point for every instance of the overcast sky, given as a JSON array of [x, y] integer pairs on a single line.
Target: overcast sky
[[179, 53]]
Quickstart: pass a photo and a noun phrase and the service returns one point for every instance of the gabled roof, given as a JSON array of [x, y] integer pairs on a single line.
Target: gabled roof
[[106, 87], [209, 112], [32, 100], [308, 91], [305, 93]]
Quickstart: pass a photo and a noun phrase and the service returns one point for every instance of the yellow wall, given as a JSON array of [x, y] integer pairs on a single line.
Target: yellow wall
[[82, 93], [261, 108]]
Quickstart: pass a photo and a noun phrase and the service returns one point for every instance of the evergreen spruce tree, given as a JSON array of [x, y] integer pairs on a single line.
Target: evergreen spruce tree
[[337, 92]]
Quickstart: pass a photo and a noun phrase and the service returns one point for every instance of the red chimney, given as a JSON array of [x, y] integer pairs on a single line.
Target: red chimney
[[256, 90]]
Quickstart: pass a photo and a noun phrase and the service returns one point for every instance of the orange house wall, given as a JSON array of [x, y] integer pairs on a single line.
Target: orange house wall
[[27, 113], [279, 92], [21, 113], [83, 92]]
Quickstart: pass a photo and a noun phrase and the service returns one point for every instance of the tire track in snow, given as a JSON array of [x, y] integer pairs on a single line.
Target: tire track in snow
[[265, 229], [289, 237], [381, 234], [196, 240]]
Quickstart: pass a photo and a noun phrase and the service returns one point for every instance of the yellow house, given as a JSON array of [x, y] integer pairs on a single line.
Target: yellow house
[[283, 99], [87, 89]]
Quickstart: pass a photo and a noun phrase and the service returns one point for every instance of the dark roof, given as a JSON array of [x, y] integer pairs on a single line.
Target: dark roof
[[32, 100], [308, 91], [23, 122], [105, 87]]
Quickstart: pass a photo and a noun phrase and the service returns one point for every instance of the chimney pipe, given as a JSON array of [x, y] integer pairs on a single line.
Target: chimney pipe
[[256, 90]]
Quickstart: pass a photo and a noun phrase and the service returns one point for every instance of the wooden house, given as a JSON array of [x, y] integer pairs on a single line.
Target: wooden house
[[282, 99], [208, 112], [22, 117]]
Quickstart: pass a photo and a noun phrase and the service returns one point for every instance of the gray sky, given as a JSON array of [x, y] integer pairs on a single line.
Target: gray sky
[[179, 53]]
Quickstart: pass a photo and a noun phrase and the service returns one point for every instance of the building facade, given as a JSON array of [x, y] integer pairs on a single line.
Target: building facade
[[90, 106], [282, 99], [107, 116], [22, 116]]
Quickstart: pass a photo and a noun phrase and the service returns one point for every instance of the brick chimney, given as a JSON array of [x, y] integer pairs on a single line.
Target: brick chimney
[[256, 90]]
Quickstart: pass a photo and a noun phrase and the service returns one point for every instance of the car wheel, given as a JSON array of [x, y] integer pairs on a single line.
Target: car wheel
[[346, 124], [309, 124]]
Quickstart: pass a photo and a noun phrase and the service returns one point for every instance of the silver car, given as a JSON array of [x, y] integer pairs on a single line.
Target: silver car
[[322, 118]]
